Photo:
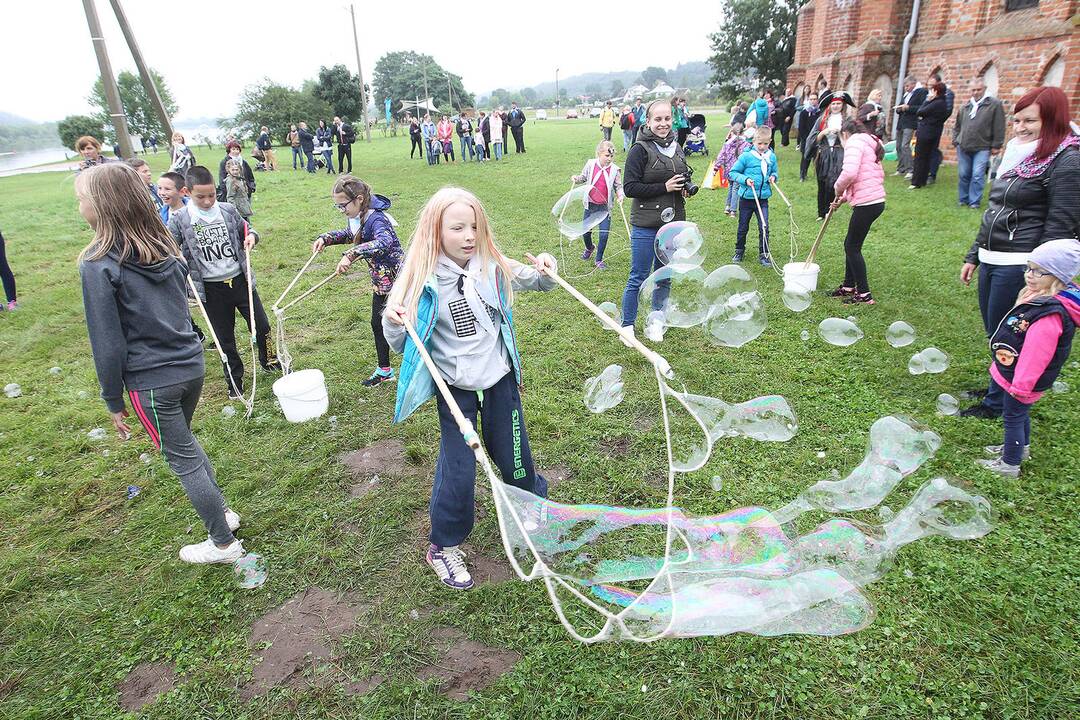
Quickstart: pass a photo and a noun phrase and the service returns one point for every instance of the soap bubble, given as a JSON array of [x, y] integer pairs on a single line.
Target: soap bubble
[[805, 335], [900, 334], [680, 244], [931, 360], [728, 280], [947, 404], [837, 331], [737, 320], [717, 483], [228, 411], [852, 319], [915, 365], [611, 310], [767, 419], [1060, 386], [572, 215], [250, 571], [654, 326], [82, 395], [54, 370], [796, 299], [96, 434], [145, 457], [680, 293], [604, 391], [13, 390]]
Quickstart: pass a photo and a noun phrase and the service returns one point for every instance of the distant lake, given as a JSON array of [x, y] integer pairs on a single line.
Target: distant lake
[[30, 158]]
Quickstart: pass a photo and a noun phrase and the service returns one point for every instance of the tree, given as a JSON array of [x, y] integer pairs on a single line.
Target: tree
[[142, 118], [339, 89], [594, 90], [400, 76], [528, 95], [651, 74], [277, 107], [74, 127], [764, 31], [617, 88]]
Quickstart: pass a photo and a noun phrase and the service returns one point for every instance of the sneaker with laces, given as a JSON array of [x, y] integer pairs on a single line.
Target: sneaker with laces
[[842, 292], [1000, 467], [232, 519], [999, 450], [601, 265], [379, 377], [763, 258], [587, 254], [627, 331], [208, 552], [449, 564], [737, 257], [860, 299]]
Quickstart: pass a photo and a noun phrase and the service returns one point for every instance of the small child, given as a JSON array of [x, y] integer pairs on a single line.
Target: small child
[[1031, 344], [236, 189], [435, 153], [734, 146], [457, 289], [370, 230], [215, 240], [143, 169], [134, 290], [605, 186], [478, 144], [752, 172]]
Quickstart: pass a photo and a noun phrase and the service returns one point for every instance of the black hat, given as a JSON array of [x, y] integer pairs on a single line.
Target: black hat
[[825, 100]]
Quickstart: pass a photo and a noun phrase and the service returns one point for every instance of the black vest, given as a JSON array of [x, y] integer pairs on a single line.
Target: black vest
[[1007, 342], [649, 212]]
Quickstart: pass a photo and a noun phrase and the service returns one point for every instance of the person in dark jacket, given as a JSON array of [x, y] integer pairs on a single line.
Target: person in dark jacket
[[267, 147], [932, 116], [906, 123], [784, 117], [516, 121], [978, 133], [325, 138], [344, 136], [415, 137], [1035, 198], [828, 146], [950, 98], [307, 144], [807, 120], [464, 129], [655, 181], [232, 152]]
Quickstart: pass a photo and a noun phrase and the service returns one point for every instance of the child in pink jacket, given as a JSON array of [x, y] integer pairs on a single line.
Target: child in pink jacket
[[1031, 345], [862, 185]]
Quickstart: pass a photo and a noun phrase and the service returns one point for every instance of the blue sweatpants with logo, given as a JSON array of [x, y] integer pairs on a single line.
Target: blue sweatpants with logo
[[502, 429]]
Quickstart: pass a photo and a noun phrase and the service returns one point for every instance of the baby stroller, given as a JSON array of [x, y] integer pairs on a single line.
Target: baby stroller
[[695, 141], [259, 157]]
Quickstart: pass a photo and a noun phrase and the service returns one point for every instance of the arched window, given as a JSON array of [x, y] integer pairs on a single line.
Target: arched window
[[990, 77], [1055, 73]]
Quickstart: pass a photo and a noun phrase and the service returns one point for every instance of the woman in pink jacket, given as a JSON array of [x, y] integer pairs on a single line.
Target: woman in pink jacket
[[862, 185], [444, 131]]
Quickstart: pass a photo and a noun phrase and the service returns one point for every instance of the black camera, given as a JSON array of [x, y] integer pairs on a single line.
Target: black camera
[[688, 183]]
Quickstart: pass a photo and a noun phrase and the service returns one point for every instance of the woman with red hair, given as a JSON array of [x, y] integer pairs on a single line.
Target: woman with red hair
[[1035, 198]]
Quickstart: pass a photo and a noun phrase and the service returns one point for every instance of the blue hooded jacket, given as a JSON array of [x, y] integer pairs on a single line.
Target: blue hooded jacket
[[749, 167]]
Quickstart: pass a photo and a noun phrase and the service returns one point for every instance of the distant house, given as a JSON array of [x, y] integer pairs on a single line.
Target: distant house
[[637, 91], [662, 89]]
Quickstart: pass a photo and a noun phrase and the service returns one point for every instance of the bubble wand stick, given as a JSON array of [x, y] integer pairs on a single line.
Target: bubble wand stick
[[817, 241], [250, 404]]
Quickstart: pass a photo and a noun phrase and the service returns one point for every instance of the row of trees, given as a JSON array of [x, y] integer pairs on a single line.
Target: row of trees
[[754, 45]]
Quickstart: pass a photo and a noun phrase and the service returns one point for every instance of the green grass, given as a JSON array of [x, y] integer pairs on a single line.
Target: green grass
[[90, 585]]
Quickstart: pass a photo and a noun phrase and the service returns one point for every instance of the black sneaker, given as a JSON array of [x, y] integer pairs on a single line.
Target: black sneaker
[[763, 258], [378, 378], [980, 411], [842, 292], [271, 366], [737, 257]]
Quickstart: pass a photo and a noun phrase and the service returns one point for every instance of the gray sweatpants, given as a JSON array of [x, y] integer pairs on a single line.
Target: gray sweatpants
[[166, 414], [904, 162]]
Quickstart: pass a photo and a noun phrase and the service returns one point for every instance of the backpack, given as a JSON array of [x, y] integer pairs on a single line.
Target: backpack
[[626, 122]]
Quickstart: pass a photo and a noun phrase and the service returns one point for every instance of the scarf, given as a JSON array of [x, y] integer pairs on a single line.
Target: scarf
[[975, 106], [763, 158], [647, 135], [478, 293], [1019, 158]]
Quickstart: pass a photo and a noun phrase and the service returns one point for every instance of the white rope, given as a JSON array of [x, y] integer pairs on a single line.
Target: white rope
[[250, 402], [217, 345]]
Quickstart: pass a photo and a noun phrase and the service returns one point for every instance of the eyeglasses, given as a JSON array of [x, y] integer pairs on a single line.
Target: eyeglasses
[[343, 206], [1036, 273]]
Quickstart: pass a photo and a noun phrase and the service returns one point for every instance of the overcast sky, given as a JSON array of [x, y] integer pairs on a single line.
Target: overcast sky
[[209, 50]]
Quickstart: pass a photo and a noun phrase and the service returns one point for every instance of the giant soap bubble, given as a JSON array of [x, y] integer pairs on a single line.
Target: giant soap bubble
[[572, 213], [680, 293], [681, 244]]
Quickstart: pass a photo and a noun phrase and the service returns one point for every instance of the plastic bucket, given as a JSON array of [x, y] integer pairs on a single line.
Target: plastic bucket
[[800, 277], [302, 395]]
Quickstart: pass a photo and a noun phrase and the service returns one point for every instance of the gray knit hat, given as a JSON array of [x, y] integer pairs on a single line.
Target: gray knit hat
[[1060, 258]]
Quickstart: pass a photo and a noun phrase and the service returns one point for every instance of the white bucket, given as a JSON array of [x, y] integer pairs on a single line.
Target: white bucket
[[800, 277], [302, 395]]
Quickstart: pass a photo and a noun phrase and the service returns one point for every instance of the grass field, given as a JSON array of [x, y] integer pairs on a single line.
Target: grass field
[[90, 586]]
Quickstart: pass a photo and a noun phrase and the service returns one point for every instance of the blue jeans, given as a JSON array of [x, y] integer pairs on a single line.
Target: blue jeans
[[1016, 416], [971, 167], [603, 227], [502, 428], [747, 210], [467, 147], [433, 155], [329, 156], [497, 150], [998, 287], [643, 261], [627, 139], [297, 154], [732, 203], [310, 160]]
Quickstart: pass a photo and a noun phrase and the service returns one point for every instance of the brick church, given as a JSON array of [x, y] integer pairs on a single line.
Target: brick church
[[1015, 45]]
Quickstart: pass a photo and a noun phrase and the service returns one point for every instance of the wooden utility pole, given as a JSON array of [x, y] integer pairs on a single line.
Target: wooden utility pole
[[360, 73], [112, 94], [144, 71]]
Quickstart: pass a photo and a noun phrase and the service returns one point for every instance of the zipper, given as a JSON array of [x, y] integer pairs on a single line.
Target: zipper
[[998, 214]]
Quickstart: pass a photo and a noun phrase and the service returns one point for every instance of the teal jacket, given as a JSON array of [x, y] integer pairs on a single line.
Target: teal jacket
[[749, 167], [415, 384]]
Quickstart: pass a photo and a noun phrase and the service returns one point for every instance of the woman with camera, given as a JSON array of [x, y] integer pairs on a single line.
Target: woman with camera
[[657, 179]]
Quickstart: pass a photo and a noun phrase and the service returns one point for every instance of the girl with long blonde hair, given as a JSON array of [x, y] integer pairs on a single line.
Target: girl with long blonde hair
[[135, 294], [456, 288]]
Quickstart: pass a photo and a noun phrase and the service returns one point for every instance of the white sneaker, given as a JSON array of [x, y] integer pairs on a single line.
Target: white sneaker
[[449, 564], [999, 466], [232, 519], [999, 450], [208, 552], [627, 331]]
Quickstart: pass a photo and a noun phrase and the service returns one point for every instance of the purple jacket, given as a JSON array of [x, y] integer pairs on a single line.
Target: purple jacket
[[378, 244]]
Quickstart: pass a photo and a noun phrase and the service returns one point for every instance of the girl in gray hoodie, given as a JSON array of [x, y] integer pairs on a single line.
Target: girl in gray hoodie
[[135, 295]]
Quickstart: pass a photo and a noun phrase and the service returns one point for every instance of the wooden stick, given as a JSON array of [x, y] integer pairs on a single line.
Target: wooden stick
[[655, 359], [782, 195], [312, 289], [290, 287], [817, 241], [624, 222], [762, 220], [251, 330], [464, 426]]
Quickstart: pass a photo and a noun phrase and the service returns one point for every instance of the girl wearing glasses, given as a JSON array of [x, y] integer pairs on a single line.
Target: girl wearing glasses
[[1031, 344], [370, 230], [605, 186]]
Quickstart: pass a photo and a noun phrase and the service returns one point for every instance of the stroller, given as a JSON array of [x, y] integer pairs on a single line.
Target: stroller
[[695, 141], [260, 165]]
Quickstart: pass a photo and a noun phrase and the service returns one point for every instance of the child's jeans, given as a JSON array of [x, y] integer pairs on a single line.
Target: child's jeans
[[643, 261], [1017, 419], [604, 227], [732, 204], [498, 150], [479, 148], [502, 427], [627, 139], [747, 210]]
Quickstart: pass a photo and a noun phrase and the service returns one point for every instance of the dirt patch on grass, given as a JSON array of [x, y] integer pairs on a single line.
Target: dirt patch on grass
[[288, 639], [487, 568], [616, 447], [465, 665], [145, 683], [367, 465], [643, 423], [556, 474]]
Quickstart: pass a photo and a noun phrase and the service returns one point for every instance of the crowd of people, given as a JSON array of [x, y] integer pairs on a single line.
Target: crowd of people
[[190, 232]]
